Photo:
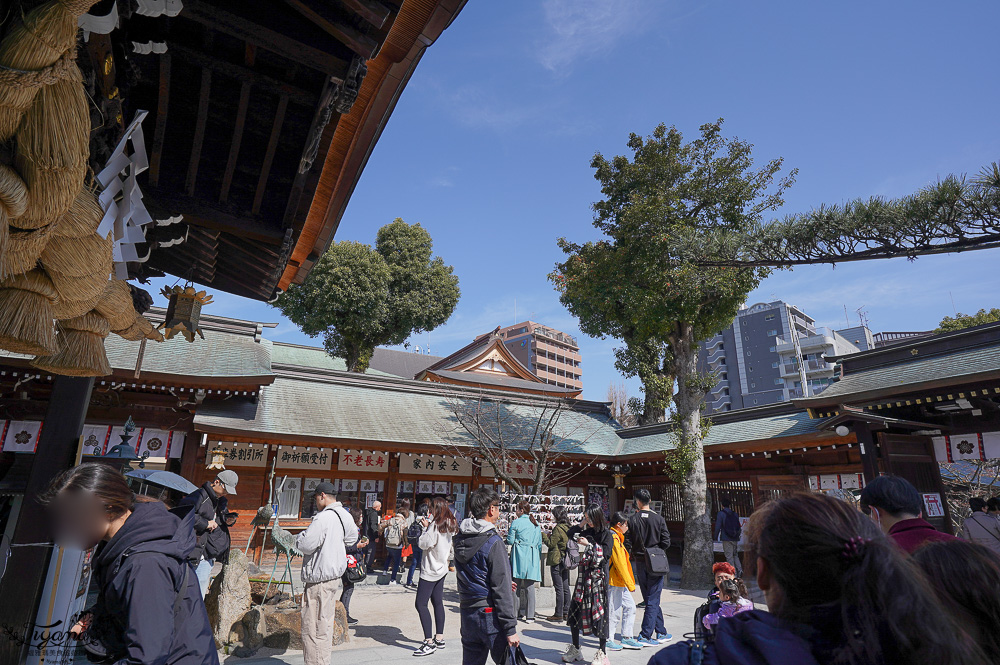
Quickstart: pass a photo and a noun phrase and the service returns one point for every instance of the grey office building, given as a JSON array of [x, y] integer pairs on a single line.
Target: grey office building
[[771, 353]]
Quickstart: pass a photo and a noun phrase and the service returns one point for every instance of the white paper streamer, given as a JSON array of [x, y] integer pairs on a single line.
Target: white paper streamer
[[126, 217]]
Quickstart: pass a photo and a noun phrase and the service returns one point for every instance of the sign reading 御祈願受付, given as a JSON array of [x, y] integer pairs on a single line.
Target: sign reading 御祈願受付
[[318, 459], [435, 465], [364, 461]]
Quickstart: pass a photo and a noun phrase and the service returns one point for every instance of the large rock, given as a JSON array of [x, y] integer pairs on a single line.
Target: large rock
[[251, 633], [228, 600], [283, 627]]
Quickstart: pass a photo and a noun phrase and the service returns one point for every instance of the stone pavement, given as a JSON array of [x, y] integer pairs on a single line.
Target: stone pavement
[[390, 630]]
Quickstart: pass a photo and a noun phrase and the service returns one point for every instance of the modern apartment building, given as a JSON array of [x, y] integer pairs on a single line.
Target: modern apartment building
[[771, 353], [551, 355]]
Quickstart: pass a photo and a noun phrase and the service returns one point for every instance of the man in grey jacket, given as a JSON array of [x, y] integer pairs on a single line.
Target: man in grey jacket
[[981, 527], [485, 584], [324, 562]]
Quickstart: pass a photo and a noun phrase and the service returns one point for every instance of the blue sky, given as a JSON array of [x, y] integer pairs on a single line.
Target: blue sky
[[490, 144]]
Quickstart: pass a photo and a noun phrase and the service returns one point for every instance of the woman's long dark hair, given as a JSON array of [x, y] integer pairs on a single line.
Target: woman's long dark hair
[[965, 577], [101, 480], [524, 508], [884, 607], [560, 515], [442, 516], [595, 515]]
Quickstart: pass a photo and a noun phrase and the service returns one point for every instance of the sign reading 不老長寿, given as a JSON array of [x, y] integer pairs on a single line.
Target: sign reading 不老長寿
[[364, 461], [319, 459], [435, 465]]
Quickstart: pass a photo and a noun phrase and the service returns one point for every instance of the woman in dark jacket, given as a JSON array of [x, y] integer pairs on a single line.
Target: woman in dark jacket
[[556, 542], [149, 608], [357, 550], [838, 592], [595, 533]]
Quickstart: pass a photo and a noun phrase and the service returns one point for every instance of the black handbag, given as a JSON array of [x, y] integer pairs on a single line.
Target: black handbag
[[356, 569], [656, 561], [515, 656]]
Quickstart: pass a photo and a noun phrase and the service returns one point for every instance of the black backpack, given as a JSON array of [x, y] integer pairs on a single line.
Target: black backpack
[[731, 525], [413, 533]]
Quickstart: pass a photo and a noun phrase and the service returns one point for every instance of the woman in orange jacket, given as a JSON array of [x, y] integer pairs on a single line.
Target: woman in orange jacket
[[621, 585]]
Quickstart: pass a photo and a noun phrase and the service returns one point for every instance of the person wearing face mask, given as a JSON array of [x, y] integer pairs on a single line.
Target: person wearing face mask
[[895, 505], [149, 607]]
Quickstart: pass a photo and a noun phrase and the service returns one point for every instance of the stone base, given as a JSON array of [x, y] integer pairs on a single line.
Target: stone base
[[283, 627]]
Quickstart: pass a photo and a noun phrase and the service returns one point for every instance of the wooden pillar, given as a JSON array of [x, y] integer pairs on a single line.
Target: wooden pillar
[[24, 578], [391, 482], [869, 451]]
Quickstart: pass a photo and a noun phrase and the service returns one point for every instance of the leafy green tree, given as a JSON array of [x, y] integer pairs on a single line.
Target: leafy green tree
[[358, 297], [960, 321], [637, 285]]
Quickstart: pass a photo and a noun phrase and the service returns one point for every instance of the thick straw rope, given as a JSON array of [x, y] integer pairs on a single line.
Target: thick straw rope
[[36, 78]]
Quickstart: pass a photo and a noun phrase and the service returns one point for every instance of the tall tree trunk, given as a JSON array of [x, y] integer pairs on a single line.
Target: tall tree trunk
[[696, 571]]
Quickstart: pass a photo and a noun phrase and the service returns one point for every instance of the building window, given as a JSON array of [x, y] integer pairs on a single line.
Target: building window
[[748, 353], [769, 317], [755, 401], [746, 338], [775, 364], [773, 349], [753, 385], [778, 382], [771, 333], [724, 376]]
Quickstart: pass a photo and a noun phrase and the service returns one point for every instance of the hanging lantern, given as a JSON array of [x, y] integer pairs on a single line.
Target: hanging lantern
[[218, 458], [183, 311]]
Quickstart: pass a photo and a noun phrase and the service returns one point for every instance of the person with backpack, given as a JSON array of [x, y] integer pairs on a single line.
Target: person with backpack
[[370, 529], [556, 542], [211, 522], [525, 538], [413, 538], [394, 533], [324, 561], [650, 540], [728, 531], [149, 607], [357, 551], [621, 584], [485, 584], [437, 533]]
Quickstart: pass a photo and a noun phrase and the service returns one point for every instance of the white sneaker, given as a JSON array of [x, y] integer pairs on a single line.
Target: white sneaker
[[572, 654], [600, 658]]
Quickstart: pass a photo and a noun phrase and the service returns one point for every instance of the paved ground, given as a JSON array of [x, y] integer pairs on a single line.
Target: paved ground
[[390, 630]]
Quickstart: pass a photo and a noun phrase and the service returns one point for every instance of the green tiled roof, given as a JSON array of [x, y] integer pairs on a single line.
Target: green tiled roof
[[960, 367], [312, 357], [219, 355], [770, 427], [380, 410]]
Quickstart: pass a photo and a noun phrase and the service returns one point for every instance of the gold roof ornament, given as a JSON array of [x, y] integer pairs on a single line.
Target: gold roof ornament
[[184, 311]]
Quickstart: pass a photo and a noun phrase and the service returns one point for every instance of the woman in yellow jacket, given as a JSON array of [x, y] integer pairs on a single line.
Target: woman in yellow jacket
[[621, 585]]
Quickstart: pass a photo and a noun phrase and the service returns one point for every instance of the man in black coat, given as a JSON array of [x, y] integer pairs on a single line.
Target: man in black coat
[[647, 529], [210, 506], [369, 529]]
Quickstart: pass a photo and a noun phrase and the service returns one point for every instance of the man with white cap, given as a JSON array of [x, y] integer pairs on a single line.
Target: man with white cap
[[211, 505], [324, 562]]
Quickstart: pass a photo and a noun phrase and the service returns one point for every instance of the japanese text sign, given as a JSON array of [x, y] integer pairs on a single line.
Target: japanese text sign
[[316, 459], [435, 465], [241, 454], [367, 461], [932, 505]]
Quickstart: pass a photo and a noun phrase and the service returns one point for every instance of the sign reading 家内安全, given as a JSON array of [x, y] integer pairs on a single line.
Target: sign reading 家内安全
[[435, 465], [318, 459]]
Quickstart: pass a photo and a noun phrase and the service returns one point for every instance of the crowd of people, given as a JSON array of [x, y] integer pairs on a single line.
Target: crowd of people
[[841, 587]]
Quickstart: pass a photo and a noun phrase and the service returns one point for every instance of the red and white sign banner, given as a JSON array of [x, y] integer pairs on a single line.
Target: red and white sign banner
[[362, 460], [21, 436], [156, 442], [976, 446], [837, 481]]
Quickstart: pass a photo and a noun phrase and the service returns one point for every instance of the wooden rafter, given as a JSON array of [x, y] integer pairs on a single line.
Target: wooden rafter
[[321, 14], [234, 149], [284, 45], [198, 213], [199, 131], [162, 105], [374, 12], [272, 146]]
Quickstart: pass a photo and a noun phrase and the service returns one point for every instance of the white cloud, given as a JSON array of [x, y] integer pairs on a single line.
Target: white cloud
[[474, 106], [578, 29]]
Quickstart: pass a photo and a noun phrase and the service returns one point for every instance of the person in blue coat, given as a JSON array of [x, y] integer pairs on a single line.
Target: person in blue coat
[[839, 592], [525, 538], [149, 609]]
